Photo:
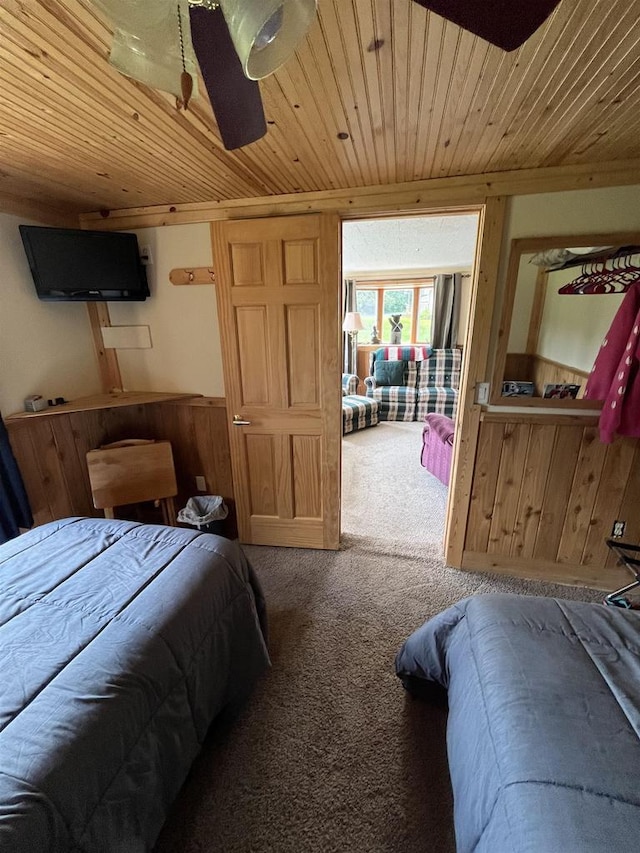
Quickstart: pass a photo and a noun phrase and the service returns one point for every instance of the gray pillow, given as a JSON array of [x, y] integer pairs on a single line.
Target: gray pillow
[[389, 372]]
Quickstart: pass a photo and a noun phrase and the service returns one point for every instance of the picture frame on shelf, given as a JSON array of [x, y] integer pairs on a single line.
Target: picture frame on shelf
[[561, 391], [512, 388]]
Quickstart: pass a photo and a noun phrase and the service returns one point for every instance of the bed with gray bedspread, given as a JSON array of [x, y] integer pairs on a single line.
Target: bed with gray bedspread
[[119, 644], [544, 721]]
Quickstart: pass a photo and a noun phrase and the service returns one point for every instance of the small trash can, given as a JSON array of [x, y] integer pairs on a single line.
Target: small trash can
[[206, 512]]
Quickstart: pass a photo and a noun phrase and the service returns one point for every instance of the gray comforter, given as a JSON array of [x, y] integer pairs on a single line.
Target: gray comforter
[[119, 643], [544, 721]]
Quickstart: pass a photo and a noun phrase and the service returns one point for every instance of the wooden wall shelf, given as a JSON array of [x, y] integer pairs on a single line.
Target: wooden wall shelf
[[103, 401]]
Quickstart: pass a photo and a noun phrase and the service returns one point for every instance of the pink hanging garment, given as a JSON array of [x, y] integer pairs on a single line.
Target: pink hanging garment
[[615, 377]]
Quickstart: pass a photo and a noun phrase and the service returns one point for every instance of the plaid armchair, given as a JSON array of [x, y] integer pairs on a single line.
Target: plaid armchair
[[349, 384], [357, 412], [430, 382]]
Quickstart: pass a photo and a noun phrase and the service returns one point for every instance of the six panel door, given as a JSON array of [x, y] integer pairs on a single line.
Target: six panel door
[[278, 291]]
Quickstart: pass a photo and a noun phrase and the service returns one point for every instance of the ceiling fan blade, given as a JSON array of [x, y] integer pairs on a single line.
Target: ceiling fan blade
[[505, 23], [235, 100]]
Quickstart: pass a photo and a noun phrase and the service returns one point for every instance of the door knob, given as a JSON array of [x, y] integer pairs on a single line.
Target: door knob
[[238, 421]]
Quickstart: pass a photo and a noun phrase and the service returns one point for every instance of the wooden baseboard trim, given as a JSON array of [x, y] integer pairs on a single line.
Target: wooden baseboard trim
[[568, 574]]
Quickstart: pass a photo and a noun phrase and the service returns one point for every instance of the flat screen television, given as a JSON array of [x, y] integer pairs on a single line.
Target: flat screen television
[[84, 266]]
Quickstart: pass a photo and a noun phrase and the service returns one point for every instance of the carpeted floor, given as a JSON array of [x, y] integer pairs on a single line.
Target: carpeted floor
[[330, 754]]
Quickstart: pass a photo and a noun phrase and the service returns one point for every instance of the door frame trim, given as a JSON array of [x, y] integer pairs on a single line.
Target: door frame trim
[[476, 366], [476, 361]]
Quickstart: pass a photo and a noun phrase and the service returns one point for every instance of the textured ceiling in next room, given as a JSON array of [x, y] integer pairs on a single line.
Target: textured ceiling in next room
[[415, 242]]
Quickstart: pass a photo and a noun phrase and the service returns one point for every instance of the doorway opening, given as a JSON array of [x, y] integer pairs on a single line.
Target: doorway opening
[[407, 288]]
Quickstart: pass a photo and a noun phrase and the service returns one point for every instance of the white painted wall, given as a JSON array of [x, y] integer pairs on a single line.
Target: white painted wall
[[574, 212], [185, 354], [45, 347], [573, 327]]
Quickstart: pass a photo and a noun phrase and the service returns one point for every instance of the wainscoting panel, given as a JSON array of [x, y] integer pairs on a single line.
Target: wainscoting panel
[[518, 367], [548, 372], [523, 367], [51, 452], [545, 495]]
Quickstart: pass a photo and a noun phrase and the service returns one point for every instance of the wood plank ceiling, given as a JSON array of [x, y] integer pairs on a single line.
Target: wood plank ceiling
[[417, 97]]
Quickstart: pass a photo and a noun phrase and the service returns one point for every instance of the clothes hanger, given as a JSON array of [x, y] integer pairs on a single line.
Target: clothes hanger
[[597, 278]]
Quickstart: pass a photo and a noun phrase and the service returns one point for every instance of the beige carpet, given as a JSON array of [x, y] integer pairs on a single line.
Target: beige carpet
[[386, 493], [330, 754]]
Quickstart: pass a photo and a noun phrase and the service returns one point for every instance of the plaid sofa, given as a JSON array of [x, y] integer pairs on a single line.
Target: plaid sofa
[[431, 383]]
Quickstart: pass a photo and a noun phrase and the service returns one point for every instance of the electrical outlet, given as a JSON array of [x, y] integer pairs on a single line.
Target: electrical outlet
[[482, 393], [618, 529], [145, 256], [201, 483]]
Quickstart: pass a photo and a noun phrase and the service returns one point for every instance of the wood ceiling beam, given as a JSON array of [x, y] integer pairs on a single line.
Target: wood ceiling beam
[[412, 195]]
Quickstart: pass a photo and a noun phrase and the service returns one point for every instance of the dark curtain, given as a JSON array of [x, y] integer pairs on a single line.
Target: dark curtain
[[15, 511], [446, 310], [348, 304]]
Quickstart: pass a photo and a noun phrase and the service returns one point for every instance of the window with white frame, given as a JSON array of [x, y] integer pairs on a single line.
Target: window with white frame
[[377, 301]]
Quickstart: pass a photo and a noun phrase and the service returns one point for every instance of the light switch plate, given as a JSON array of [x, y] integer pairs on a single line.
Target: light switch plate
[[482, 393], [201, 483]]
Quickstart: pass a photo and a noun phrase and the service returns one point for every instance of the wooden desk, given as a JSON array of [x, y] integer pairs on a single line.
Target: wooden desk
[[103, 401], [51, 446]]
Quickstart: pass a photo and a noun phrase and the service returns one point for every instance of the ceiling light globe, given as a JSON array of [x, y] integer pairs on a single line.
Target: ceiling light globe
[[266, 34]]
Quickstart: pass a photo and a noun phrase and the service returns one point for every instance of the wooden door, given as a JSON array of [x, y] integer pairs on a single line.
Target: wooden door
[[277, 284]]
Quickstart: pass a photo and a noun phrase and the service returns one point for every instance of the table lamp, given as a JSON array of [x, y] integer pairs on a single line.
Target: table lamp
[[353, 324]]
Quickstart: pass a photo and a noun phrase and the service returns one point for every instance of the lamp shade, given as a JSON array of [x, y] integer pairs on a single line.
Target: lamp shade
[[266, 33], [352, 322]]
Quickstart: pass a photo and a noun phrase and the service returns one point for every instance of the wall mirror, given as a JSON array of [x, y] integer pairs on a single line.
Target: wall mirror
[[548, 340]]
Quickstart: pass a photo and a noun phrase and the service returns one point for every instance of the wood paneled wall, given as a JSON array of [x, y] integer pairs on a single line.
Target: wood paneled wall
[[517, 367], [546, 371], [51, 452], [541, 371], [544, 498]]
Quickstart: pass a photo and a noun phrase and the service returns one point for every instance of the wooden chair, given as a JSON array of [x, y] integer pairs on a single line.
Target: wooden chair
[[128, 472]]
